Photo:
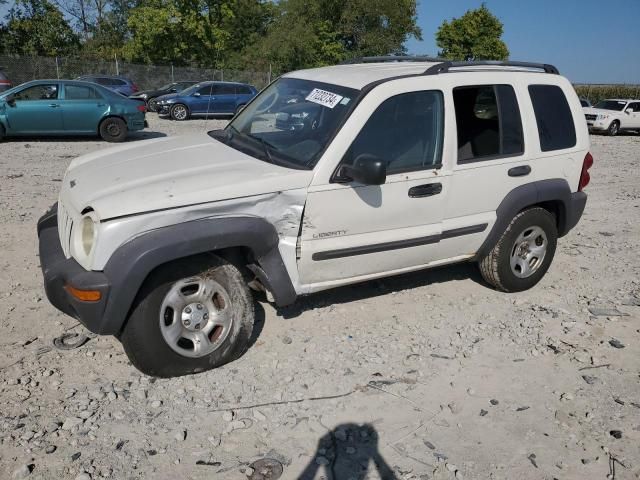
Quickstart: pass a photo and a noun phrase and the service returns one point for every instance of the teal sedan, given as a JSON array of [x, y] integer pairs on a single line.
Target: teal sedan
[[68, 107]]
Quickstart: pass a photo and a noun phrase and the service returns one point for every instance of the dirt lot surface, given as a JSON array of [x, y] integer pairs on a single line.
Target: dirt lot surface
[[431, 375]]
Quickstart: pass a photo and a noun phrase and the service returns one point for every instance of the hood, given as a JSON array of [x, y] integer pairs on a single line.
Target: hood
[[169, 173], [596, 111], [168, 96], [140, 93]]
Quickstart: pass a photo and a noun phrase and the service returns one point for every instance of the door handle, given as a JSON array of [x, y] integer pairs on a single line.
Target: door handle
[[54, 105], [520, 171], [427, 190]]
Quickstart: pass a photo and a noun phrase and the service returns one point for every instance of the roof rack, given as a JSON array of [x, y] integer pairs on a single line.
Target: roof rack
[[392, 58], [446, 66]]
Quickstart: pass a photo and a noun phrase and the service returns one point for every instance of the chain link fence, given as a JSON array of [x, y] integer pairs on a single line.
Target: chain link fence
[[23, 69]]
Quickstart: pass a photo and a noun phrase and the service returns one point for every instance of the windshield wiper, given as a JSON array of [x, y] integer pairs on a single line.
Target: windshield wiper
[[266, 147]]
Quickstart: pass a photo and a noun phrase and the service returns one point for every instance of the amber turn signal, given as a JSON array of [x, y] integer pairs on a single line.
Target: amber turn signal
[[83, 295]]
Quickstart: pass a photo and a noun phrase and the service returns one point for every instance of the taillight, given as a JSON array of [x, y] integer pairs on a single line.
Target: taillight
[[141, 108], [584, 175]]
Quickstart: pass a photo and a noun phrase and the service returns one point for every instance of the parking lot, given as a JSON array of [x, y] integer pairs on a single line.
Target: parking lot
[[427, 375]]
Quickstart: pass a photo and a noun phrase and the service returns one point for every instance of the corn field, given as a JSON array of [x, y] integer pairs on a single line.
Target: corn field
[[595, 93]]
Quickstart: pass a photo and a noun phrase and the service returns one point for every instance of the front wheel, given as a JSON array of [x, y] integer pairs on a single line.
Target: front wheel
[[152, 105], [113, 130], [613, 129], [192, 315], [524, 252], [179, 112]]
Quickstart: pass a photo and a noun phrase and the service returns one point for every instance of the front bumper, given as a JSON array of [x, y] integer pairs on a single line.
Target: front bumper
[[59, 271]]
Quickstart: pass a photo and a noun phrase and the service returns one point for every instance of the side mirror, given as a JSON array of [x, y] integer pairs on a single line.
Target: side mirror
[[628, 111], [367, 170], [11, 100], [174, 90], [197, 94]]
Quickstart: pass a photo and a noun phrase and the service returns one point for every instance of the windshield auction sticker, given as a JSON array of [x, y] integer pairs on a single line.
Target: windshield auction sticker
[[324, 98]]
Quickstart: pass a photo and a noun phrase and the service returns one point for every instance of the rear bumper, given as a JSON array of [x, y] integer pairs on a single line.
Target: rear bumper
[[574, 210], [59, 271]]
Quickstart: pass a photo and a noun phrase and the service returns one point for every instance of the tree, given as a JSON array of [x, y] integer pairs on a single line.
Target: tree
[[308, 34], [202, 32], [474, 36], [37, 27]]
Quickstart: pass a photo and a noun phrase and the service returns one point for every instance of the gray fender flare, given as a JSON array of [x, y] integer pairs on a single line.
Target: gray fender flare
[[132, 262], [569, 208]]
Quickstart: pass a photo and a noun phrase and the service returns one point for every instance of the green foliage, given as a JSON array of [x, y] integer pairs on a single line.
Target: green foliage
[[37, 27], [474, 36], [595, 93], [308, 34]]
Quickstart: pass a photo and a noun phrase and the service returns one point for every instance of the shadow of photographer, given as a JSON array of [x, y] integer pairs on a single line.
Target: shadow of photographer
[[348, 452]]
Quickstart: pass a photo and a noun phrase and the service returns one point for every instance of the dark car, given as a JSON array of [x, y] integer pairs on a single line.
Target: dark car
[[119, 84], [207, 98], [149, 96], [68, 107], [585, 103], [5, 83]]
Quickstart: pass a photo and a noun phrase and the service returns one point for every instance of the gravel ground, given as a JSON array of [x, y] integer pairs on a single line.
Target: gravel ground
[[425, 376]]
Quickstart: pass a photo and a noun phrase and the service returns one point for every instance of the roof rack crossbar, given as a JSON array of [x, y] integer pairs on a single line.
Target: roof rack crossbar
[[392, 58], [446, 66]]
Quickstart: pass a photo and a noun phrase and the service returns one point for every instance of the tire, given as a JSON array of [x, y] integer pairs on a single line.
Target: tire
[[2, 132], [113, 130], [613, 129], [152, 105], [160, 314], [179, 112], [523, 253]]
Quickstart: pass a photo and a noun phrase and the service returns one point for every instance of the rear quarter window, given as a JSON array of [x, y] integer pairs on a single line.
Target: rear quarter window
[[556, 129]]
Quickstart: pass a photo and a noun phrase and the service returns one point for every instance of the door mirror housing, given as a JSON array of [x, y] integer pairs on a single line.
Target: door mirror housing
[[367, 169], [11, 100], [173, 90], [628, 111], [197, 94]]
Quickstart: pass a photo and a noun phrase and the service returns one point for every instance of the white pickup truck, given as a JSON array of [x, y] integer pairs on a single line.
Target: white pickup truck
[[614, 115]]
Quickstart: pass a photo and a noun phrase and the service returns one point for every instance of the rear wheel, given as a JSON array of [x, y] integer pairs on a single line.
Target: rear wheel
[[179, 112], [524, 252], [613, 129], [192, 315], [113, 129]]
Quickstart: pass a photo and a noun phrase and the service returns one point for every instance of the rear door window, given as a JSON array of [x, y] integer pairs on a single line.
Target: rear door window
[[553, 116], [244, 90], [226, 90], [489, 124], [80, 92]]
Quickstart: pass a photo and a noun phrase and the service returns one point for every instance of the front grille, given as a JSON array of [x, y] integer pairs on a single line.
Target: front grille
[[65, 225], [590, 117]]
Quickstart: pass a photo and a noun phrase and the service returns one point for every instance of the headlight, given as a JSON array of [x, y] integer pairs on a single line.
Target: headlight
[[88, 234]]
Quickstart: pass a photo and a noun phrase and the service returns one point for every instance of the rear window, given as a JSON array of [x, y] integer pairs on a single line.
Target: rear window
[[553, 116], [489, 124]]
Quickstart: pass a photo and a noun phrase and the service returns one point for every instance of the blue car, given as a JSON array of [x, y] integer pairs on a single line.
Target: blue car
[[68, 107], [206, 98], [122, 85]]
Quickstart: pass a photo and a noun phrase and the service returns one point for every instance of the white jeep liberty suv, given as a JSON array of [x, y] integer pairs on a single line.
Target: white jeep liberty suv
[[330, 176]]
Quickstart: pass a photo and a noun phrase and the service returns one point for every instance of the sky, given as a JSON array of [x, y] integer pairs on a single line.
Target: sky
[[590, 41]]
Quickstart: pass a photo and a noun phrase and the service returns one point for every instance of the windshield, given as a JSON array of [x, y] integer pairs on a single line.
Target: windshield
[[611, 105], [291, 122]]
